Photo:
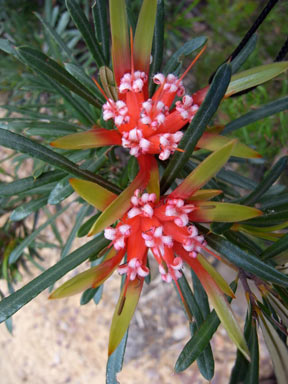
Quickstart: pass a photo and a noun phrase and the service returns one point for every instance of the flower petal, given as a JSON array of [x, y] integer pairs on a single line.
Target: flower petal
[[95, 137], [204, 172], [93, 193], [124, 311]]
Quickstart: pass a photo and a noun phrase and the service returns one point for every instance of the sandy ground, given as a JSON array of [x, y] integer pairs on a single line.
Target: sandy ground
[[59, 342]]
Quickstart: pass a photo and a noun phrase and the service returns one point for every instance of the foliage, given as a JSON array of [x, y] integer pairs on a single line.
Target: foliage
[[55, 97]]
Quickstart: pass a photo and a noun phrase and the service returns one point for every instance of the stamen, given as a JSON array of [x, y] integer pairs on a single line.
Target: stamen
[[193, 62]]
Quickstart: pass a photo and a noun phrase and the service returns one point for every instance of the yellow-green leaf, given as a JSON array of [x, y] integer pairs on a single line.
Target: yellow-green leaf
[[93, 193], [204, 172], [154, 180], [144, 35], [124, 311], [210, 211], [220, 281], [213, 142], [93, 277], [255, 76], [205, 194], [95, 137]]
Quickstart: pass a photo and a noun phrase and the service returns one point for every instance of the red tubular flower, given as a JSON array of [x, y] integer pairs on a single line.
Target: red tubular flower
[[165, 228]]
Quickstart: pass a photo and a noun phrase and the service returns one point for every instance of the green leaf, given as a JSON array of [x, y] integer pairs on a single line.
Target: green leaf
[[205, 359], [185, 50], [85, 228], [26, 184], [158, 45], [120, 39], [267, 181], [86, 31], [43, 64], [17, 252], [252, 376], [144, 35], [115, 361], [246, 261], [93, 193], [84, 79], [245, 52], [57, 38], [278, 350], [88, 295], [17, 300], [26, 209], [78, 221], [124, 312], [255, 76], [265, 110], [60, 192], [204, 172], [198, 125], [100, 18], [276, 248], [200, 295], [34, 149], [199, 340]]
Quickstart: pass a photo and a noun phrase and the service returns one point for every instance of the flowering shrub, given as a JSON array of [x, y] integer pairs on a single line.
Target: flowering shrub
[[144, 109]]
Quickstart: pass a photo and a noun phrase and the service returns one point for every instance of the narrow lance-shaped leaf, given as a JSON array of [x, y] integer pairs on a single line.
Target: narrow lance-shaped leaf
[[144, 35], [92, 278], [204, 172], [213, 142], [209, 211], [24, 145], [219, 280], [14, 302], [120, 38], [121, 204], [154, 180], [198, 125], [222, 307], [93, 193], [42, 63], [99, 12], [124, 311], [255, 76], [86, 30], [278, 351], [95, 137]]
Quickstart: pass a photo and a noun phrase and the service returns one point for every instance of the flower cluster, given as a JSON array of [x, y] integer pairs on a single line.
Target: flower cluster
[[150, 126], [163, 227]]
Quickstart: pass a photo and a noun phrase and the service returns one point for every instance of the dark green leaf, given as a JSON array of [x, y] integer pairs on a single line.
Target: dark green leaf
[[27, 183], [199, 340], [42, 63], [196, 128], [24, 145], [17, 252], [185, 50], [60, 192], [115, 361], [243, 55], [246, 261], [266, 110], [88, 295], [266, 183], [100, 17], [276, 248], [78, 221], [57, 38], [158, 45], [200, 295], [86, 31], [26, 209], [11, 304], [85, 228]]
